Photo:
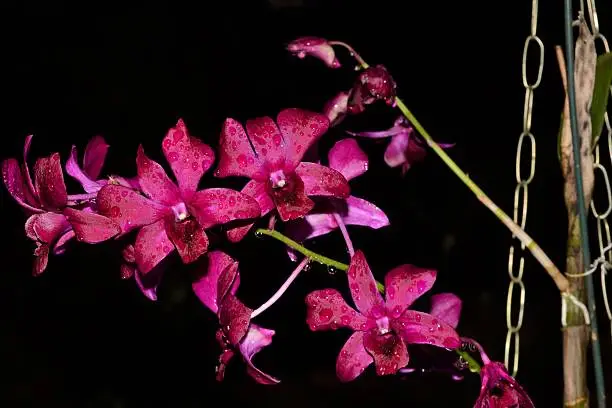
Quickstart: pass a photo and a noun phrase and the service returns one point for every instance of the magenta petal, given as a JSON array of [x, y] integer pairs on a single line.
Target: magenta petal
[[189, 157], [234, 318], [395, 154], [95, 154], [311, 226], [188, 237], [500, 390], [388, 350], [215, 206], [236, 157], [60, 246], [47, 227], [26, 169], [149, 291], [152, 246], [327, 310], [290, 200], [300, 129], [267, 140], [364, 213], [41, 259], [347, 157], [322, 181], [205, 288], [353, 358], [257, 190], [422, 328], [405, 284], [127, 207], [335, 109], [154, 181], [73, 169], [446, 307], [363, 286], [49, 182], [90, 227], [315, 47], [256, 339], [16, 185]]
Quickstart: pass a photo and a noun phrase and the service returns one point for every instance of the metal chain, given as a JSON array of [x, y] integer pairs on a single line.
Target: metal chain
[[520, 204], [604, 237]]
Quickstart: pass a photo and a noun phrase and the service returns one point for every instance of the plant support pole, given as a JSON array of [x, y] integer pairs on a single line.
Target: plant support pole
[[582, 212]]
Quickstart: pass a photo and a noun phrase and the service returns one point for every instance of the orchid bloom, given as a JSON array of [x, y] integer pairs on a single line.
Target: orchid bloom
[[336, 108], [405, 149], [382, 328], [374, 83], [173, 216], [346, 157], [315, 47], [217, 291], [499, 389], [51, 223], [271, 156]]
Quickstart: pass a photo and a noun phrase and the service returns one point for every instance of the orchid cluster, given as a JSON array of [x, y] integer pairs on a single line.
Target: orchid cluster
[[155, 215]]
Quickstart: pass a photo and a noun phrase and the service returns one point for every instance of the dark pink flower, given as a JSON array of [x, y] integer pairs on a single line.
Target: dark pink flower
[[499, 389], [172, 216], [373, 84], [271, 156], [382, 328], [315, 47], [405, 148], [347, 157], [217, 291], [336, 108]]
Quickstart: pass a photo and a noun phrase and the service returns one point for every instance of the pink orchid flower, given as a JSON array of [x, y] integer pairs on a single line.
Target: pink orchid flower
[[315, 47], [405, 148], [217, 291], [373, 84], [51, 223], [271, 156], [499, 389], [382, 328], [346, 157], [171, 216]]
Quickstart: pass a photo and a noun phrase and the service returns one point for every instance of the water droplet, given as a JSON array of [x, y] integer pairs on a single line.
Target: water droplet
[[259, 234], [307, 266], [331, 270]]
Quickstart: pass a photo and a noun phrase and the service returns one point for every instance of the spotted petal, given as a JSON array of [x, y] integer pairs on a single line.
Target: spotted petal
[[422, 328], [388, 350], [215, 206], [446, 307], [256, 339], [291, 201], [127, 207], [257, 190], [322, 181], [347, 157], [500, 390], [49, 182], [327, 310], [46, 227], [300, 130], [154, 181], [353, 358], [152, 246], [188, 237], [205, 287], [405, 284], [91, 227], [237, 157], [363, 286]]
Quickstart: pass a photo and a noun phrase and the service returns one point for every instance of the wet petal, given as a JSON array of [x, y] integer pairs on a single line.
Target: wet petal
[[73, 169], [49, 182], [422, 328], [41, 259], [127, 207], [267, 140], [446, 307], [215, 206], [353, 358], [60, 246], [327, 310], [363, 286], [347, 157], [335, 109], [95, 154], [300, 129], [234, 318], [154, 181], [16, 185], [26, 169], [257, 190], [236, 157], [152, 246], [188, 237], [90, 227], [388, 350], [290, 200], [405, 284], [364, 213], [47, 227], [205, 287], [315, 47], [322, 181], [256, 339], [499, 389], [188, 156]]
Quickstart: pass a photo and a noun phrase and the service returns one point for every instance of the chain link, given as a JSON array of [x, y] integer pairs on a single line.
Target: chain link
[[521, 199]]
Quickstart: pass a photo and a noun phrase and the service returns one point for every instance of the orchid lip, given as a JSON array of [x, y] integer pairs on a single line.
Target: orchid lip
[[383, 325], [278, 179], [180, 212]]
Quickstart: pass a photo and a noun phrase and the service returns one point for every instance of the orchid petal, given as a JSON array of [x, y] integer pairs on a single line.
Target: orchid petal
[[311, 226], [256, 339], [499, 389], [41, 259], [49, 182], [188, 156], [26, 169], [73, 169], [127, 207], [257, 190], [48, 226], [446, 307], [336, 108], [152, 246], [396, 129], [60, 245], [405, 284], [149, 290], [388, 350], [364, 213], [267, 140], [90, 227], [95, 154], [347, 157], [300, 129], [322, 181], [315, 47], [188, 237], [234, 318], [129, 254], [395, 154], [237, 157], [422, 328], [353, 358], [205, 288], [290, 200], [154, 181], [215, 206], [327, 310], [16, 185], [363, 286]]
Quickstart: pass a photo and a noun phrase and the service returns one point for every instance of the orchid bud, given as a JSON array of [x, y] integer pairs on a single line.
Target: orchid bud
[[315, 47], [375, 83]]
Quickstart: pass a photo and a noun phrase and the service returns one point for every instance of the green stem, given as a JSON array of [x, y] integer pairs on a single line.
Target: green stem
[[473, 365]]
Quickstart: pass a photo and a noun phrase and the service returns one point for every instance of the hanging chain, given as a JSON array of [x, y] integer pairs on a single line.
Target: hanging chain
[[604, 237], [520, 204]]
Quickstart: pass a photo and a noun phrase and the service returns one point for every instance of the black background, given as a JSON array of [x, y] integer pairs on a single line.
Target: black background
[[80, 336]]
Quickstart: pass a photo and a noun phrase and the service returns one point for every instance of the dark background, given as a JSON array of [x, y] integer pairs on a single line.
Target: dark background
[[80, 336]]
